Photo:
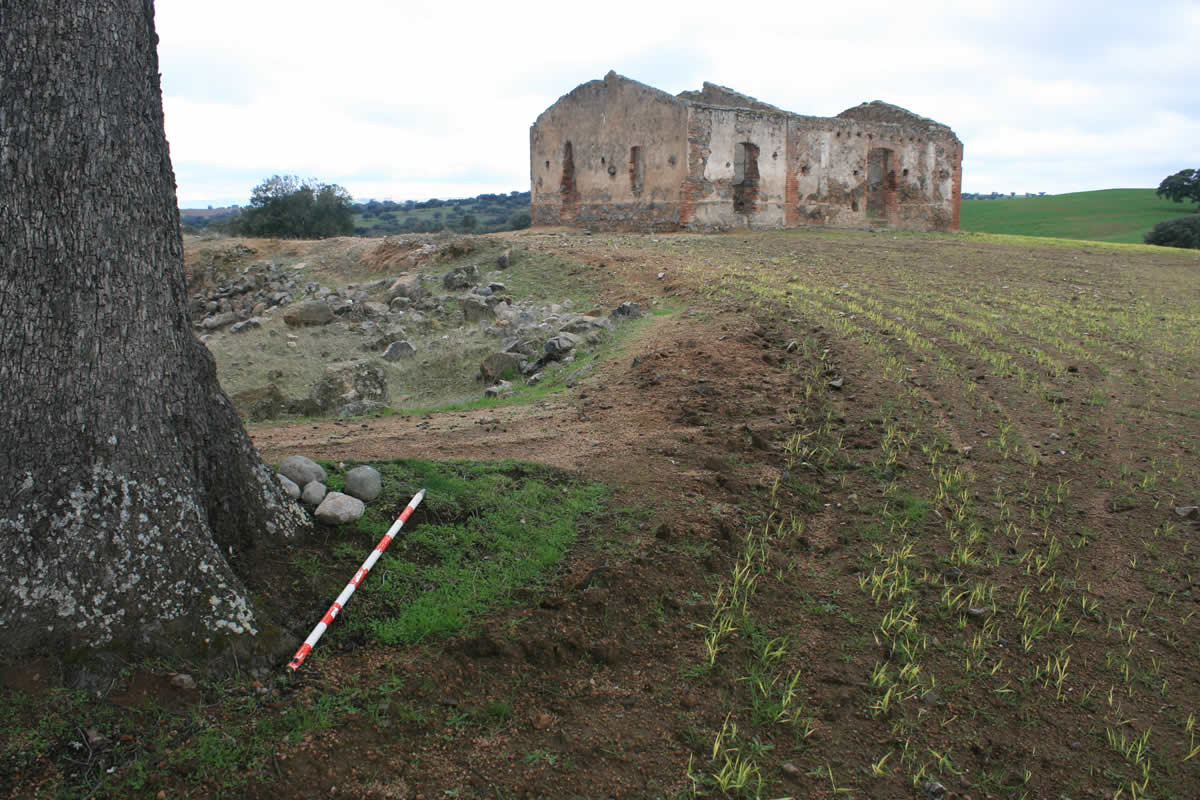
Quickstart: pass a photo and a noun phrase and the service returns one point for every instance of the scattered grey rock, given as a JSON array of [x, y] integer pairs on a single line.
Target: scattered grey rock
[[351, 388], [627, 310], [1188, 512], [790, 769], [313, 493], [504, 259], [977, 612], [364, 482], [496, 365], [341, 306], [399, 350], [837, 383], [406, 286], [497, 288], [461, 278], [475, 308], [934, 790], [560, 345], [500, 388], [374, 309], [310, 312], [301, 470], [584, 324], [339, 509], [183, 681], [289, 486], [246, 325]]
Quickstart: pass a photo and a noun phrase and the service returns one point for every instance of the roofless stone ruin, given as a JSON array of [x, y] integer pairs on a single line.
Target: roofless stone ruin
[[615, 154]]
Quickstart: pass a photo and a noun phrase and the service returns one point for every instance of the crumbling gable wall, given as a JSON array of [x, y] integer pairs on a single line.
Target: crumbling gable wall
[[609, 155], [737, 169], [619, 155]]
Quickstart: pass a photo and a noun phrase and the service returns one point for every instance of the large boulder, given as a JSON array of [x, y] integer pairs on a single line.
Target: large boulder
[[475, 308], [560, 345], [626, 310], [399, 350], [496, 365], [351, 388], [301, 470], [364, 482], [406, 285], [339, 509], [310, 312]]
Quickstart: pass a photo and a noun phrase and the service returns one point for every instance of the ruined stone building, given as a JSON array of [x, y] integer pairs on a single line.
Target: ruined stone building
[[615, 154]]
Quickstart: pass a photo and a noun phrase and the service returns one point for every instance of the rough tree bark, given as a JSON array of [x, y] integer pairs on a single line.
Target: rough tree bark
[[128, 485]]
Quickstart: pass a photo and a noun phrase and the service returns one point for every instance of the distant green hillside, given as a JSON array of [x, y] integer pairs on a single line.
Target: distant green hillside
[[1109, 215]]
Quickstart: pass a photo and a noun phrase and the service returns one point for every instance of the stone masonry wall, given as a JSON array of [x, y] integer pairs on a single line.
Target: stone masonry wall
[[614, 186], [616, 154]]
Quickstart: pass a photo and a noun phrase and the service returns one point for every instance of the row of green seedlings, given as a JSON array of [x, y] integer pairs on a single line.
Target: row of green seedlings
[[1035, 623], [733, 767]]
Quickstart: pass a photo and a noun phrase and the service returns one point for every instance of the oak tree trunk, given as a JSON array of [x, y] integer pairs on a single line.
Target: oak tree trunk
[[128, 485]]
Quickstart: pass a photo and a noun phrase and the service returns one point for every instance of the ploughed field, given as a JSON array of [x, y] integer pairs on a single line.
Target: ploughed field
[[888, 515]]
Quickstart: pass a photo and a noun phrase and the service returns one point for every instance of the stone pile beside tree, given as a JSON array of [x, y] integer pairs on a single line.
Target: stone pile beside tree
[[304, 479]]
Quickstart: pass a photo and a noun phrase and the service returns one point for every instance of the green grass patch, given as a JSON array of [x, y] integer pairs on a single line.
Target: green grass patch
[[1108, 215], [483, 531]]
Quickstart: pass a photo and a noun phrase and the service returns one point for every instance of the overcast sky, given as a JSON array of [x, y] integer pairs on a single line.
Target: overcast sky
[[412, 100]]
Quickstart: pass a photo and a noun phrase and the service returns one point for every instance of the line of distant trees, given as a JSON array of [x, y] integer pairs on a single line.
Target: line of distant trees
[[998, 195], [285, 207]]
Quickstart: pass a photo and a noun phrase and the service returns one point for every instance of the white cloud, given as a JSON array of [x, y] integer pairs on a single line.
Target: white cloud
[[429, 99]]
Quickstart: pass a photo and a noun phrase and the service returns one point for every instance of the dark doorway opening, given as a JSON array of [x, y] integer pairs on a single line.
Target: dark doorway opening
[[745, 178], [566, 187], [637, 170], [881, 184]]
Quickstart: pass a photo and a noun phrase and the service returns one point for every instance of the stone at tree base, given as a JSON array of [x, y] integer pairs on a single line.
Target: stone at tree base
[[364, 482], [310, 312], [301, 470], [313, 494], [289, 486], [339, 509]]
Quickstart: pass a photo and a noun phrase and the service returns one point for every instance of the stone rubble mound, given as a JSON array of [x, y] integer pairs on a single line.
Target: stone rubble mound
[[390, 314]]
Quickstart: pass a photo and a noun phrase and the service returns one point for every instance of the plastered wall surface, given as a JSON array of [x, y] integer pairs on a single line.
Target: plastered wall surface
[[717, 159]]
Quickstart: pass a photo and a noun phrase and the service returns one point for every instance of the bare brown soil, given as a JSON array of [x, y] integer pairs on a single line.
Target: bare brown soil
[[600, 679]]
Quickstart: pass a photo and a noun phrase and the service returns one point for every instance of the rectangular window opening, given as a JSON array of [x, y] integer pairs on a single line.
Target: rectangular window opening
[[637, 170], [745, 177]]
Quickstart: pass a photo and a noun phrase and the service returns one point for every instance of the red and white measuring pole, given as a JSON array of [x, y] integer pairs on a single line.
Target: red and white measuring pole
[[340, 603]]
